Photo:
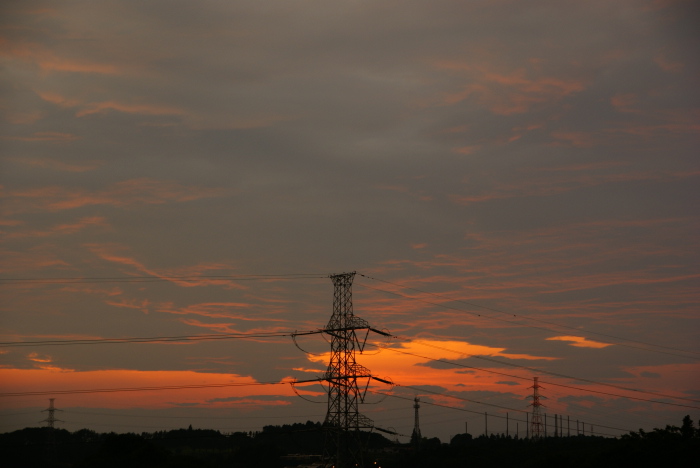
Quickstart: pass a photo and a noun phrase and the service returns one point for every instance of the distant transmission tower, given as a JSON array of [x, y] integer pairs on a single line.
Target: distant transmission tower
[[416, 436], [51, 437], [536, 430], [343, 447], [51, 418]]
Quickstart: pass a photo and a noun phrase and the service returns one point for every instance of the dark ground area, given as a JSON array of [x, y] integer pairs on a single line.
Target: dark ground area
[[302, 444]]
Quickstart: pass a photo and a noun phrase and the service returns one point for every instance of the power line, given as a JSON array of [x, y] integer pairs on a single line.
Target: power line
[[472, 411], [145, 279], [152, 339], [139, 389], [445, 361], [161, 416], [153, 279], [230, 336], [552, 324], [423, 390], [500, 407], [555, 374]]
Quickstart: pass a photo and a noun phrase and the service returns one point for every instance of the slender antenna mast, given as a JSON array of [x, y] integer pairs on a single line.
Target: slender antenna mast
[[416, 436]]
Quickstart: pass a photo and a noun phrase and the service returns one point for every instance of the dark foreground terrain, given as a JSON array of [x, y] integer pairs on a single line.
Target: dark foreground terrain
[[301, 444]]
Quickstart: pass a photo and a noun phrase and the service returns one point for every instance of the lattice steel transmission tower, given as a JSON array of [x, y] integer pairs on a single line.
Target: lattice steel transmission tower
[[51, 436], [416, 436], [343, 423], [536, 429], [51, 418]]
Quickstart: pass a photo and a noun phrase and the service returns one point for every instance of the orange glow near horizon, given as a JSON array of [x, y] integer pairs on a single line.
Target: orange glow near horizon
[[580, 342], [51, 378], [406, 364]]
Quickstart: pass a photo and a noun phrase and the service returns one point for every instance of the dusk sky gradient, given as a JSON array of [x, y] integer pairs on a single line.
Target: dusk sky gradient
[[516, 181]]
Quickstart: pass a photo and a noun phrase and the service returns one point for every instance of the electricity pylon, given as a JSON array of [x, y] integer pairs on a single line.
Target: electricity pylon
[[343, 423], [51, 418], [51, 437], [536, 430]]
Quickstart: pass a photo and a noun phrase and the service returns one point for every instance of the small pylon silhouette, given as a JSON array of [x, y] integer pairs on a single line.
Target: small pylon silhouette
[[51, 418]]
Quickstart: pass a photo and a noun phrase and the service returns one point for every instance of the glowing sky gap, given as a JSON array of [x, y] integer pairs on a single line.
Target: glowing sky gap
[[578, 330], [139, 389], [387, 347], [549, 373]]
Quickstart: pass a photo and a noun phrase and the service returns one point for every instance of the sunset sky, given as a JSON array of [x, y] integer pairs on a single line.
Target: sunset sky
[[515, 183]]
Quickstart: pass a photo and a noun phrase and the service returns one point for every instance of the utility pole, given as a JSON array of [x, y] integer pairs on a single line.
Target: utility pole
[[343, 447], [536, 423]]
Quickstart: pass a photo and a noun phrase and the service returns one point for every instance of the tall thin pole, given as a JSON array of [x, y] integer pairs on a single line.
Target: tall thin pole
[[545, 424], [486, 424], [416, 436]]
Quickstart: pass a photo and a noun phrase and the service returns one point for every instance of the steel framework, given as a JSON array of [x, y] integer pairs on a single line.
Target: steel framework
[[51, 418], [51, 436], [416, 435], [536, 430], [347, 380]]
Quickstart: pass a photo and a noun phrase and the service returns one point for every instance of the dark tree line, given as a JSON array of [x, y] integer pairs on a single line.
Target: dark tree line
[[302, 443]]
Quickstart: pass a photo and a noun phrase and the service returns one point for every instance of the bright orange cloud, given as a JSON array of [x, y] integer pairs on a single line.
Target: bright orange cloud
[[580, 342], [406, 364], [36, 357]]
